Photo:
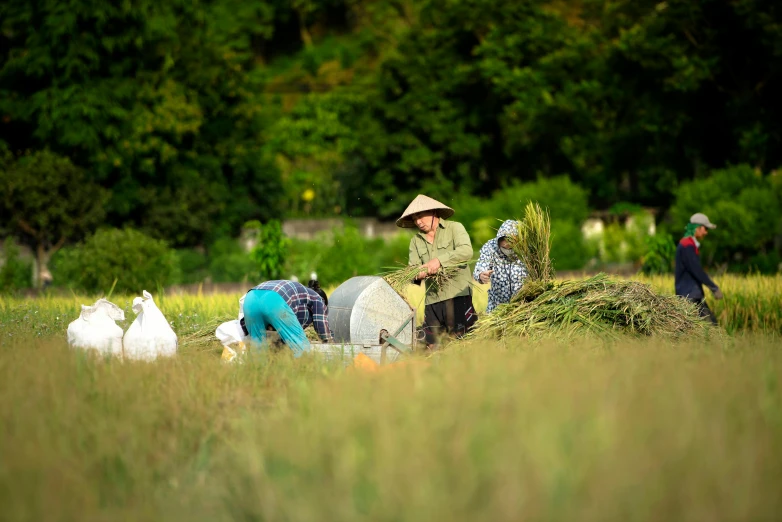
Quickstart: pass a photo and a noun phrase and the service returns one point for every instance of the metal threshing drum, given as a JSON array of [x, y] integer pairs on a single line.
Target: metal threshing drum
[[363, 307]]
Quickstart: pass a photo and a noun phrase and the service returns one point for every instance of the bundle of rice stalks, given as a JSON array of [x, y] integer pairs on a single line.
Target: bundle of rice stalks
[[598, 305], [201, 337], [533, 243], [399, 279]]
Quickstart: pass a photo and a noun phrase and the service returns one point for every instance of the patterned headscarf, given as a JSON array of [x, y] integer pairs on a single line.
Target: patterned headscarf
[[509, 271]]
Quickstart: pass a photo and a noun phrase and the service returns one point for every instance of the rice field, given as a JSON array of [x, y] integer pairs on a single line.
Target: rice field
[[751, 303], [593, 429]]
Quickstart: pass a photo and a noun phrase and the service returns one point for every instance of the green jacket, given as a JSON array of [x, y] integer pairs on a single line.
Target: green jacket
[[453, 248]]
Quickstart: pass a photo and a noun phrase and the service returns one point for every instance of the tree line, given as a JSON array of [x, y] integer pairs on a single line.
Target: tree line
[[185, 119]]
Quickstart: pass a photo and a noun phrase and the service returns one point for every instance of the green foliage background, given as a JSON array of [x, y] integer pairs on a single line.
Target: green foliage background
[[192, 118], [15, 273], [123, 260]]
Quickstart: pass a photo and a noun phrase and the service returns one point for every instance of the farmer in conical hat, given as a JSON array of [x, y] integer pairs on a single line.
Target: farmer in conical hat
[[688, 274], [438, 243], [500, 265]]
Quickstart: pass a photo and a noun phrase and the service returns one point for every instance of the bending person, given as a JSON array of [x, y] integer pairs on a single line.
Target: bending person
[[440, 242], [288, 307], [500, 266]]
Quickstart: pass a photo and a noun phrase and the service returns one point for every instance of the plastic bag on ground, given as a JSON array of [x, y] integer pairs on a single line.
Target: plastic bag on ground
[[241, 307], [150, 336], [95, 328], [232, 338]]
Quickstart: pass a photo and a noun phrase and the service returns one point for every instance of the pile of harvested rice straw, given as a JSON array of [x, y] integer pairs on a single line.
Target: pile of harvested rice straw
[[597, 305], [203, 337]]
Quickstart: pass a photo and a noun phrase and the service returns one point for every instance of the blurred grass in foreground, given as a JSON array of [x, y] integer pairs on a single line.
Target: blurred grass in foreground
[[633, 430]]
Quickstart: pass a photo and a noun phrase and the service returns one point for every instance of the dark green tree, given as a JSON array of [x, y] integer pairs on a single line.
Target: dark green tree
[[627, 97], [154, 99], [45, 200], [199, 116]]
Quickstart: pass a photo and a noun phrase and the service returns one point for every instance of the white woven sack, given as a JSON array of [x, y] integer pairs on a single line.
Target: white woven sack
[[150, 336], [95, 328]]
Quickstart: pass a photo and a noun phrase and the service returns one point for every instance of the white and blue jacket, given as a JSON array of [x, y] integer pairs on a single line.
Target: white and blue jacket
[[509, 272]]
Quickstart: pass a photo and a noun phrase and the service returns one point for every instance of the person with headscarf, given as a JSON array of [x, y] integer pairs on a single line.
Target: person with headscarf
[[500, 266], [689, 276], [440, 242]]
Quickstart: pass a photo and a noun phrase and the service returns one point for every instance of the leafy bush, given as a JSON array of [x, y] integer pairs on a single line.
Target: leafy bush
[[612, 245], [762, 263], [565, 200], [270, 251], [660, 254], [476, 216], [745, 204], [229, 263], [333, 259], [625, 242], [637, 231], [193, 266], [394, 252], [135, 260], [304, 258], [15, 273], [346, 255], [569, 249], [482, 230], [567, 205], [349, 255]]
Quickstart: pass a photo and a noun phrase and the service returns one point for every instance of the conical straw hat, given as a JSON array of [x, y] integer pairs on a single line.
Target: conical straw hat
[[421, 204]]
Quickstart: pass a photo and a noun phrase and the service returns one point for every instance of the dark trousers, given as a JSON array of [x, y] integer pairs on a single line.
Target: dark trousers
[[705, 311], [455, 316]]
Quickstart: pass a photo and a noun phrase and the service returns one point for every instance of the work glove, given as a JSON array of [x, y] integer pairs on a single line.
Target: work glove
[[717, 293]]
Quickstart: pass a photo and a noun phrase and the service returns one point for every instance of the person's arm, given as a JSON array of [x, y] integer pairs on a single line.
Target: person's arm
[[320, 319], [414, 259], [462, 251], [483, 262], [693, 265]]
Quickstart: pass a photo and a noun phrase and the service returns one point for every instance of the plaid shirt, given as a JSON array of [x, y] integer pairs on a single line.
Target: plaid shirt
[[305, 303]]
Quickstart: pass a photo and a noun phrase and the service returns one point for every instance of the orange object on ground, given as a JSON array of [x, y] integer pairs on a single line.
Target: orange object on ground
[[363, 363]]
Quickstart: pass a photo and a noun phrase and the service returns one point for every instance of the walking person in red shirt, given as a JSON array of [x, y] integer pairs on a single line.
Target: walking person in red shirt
[[689, 275]]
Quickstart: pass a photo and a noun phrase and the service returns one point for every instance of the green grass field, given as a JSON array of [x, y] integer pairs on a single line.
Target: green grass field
[[636, 429]]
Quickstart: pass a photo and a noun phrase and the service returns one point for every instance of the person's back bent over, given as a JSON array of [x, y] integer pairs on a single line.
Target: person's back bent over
[[264, 308]]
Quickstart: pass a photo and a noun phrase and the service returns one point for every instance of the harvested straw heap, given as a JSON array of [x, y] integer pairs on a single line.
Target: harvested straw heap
[[597, 305], [202, 337], [399, 279]]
